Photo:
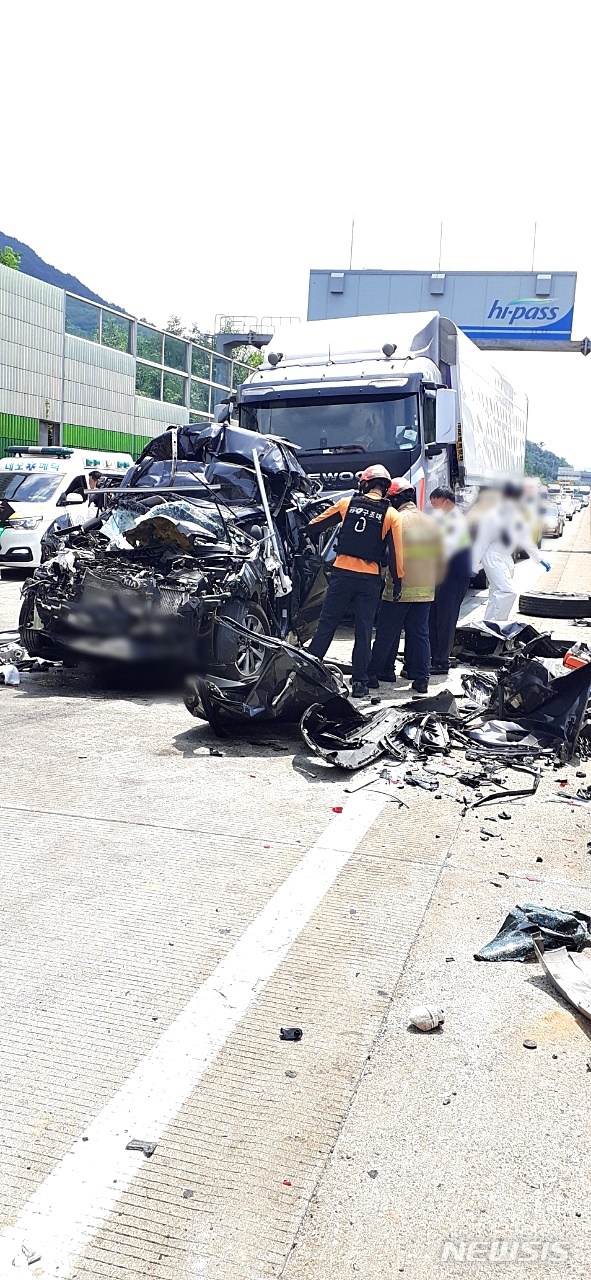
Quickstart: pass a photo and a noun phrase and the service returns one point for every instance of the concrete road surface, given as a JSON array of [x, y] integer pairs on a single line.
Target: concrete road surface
[[166, 910]]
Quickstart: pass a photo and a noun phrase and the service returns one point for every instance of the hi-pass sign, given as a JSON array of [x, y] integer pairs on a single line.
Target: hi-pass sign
[[486, 305]]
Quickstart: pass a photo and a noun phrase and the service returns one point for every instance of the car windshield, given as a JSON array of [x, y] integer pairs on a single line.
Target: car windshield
[[366, 425], [195, 517], [28, 486], [550, 509]]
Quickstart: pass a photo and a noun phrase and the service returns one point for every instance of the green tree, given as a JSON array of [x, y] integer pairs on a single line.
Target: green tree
[[9, 258], [176, 327], [542, 462]]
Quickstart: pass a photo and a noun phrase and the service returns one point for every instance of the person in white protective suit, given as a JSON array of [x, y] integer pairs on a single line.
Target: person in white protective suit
[[502, 531]]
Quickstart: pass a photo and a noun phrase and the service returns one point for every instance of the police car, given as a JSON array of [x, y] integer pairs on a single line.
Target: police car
[[36, 484]]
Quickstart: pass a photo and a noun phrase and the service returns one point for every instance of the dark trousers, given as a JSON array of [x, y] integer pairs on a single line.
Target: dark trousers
[[445, 612], [347, 590], [393, 617]]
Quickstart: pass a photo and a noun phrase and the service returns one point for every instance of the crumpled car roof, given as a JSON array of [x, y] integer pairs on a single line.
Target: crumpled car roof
[[234, 444]]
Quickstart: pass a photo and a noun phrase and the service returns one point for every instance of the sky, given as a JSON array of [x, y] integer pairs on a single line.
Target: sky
[[201, 159]]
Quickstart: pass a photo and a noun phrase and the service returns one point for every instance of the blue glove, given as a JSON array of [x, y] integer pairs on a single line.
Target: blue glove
[[546, 565]]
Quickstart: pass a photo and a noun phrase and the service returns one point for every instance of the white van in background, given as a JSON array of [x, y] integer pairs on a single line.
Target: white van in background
[[36, 483]]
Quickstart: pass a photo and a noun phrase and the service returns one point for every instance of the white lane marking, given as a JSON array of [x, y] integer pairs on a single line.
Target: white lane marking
[[75, 1198]]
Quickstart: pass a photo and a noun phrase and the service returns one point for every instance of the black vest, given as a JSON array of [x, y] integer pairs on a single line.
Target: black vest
[[361, 535]]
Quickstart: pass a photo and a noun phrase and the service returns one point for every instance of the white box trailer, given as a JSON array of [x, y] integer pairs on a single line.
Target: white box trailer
[[410, 391]]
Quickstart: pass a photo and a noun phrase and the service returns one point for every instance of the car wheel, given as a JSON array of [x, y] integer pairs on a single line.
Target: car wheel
[[32, 639], [555, 604], [240, 655]]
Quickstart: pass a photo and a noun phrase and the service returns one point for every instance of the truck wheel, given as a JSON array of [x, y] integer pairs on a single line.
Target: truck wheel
[[31, 639], [239, 655], [555, 604]]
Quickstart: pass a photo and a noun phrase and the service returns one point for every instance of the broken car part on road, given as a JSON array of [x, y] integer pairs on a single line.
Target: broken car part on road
[[515, 939], [287, 681], [570, 974]]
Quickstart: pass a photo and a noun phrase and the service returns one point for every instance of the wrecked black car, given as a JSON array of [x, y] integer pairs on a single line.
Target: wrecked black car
[[208, 525]]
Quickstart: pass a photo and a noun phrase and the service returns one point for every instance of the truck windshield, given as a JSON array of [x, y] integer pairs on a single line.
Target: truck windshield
[[28, 486], [366, 426]]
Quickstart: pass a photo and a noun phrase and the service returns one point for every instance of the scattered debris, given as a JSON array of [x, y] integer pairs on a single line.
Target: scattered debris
[[530, 1044], [291, 1074], [372, 1173], [426, 1017], [137, 1144], [515, 939], [31, 1255], [290, 1033]]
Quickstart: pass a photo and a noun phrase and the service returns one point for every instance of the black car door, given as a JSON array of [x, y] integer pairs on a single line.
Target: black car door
[[311, 566]]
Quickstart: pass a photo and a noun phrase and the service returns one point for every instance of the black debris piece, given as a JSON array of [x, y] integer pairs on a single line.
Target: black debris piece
[[345, 737], [530, 1044], [290, 1033], [287, 683], [514, 941]]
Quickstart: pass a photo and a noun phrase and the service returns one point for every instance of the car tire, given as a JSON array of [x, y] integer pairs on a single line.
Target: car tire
[[555, 604], [239, 657], [31, 638]]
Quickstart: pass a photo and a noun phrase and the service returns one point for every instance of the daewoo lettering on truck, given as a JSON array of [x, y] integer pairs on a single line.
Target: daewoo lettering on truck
[[410, 391]]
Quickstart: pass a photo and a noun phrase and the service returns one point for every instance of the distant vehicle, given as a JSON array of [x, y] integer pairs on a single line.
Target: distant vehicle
[[552, 520], [568, 507], [409, 391], [36, 483], [554, 490], [583, 491]]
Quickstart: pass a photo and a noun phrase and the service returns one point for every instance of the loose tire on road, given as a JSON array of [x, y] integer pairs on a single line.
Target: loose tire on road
[[555, 604]]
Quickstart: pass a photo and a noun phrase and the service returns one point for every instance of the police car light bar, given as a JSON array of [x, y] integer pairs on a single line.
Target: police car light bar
[[45, 451]]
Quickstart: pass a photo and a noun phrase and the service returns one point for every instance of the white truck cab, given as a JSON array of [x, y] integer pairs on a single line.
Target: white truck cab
[[37, 483], [409, 391]]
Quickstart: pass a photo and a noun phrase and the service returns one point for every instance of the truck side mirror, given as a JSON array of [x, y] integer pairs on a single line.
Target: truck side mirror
[[446, 416]]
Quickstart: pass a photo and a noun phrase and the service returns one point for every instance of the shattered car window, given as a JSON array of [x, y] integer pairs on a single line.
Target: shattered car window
[[151, 474]]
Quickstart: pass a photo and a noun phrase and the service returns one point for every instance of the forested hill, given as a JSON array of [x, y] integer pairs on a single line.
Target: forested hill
[[542, 462], [32, 265]]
